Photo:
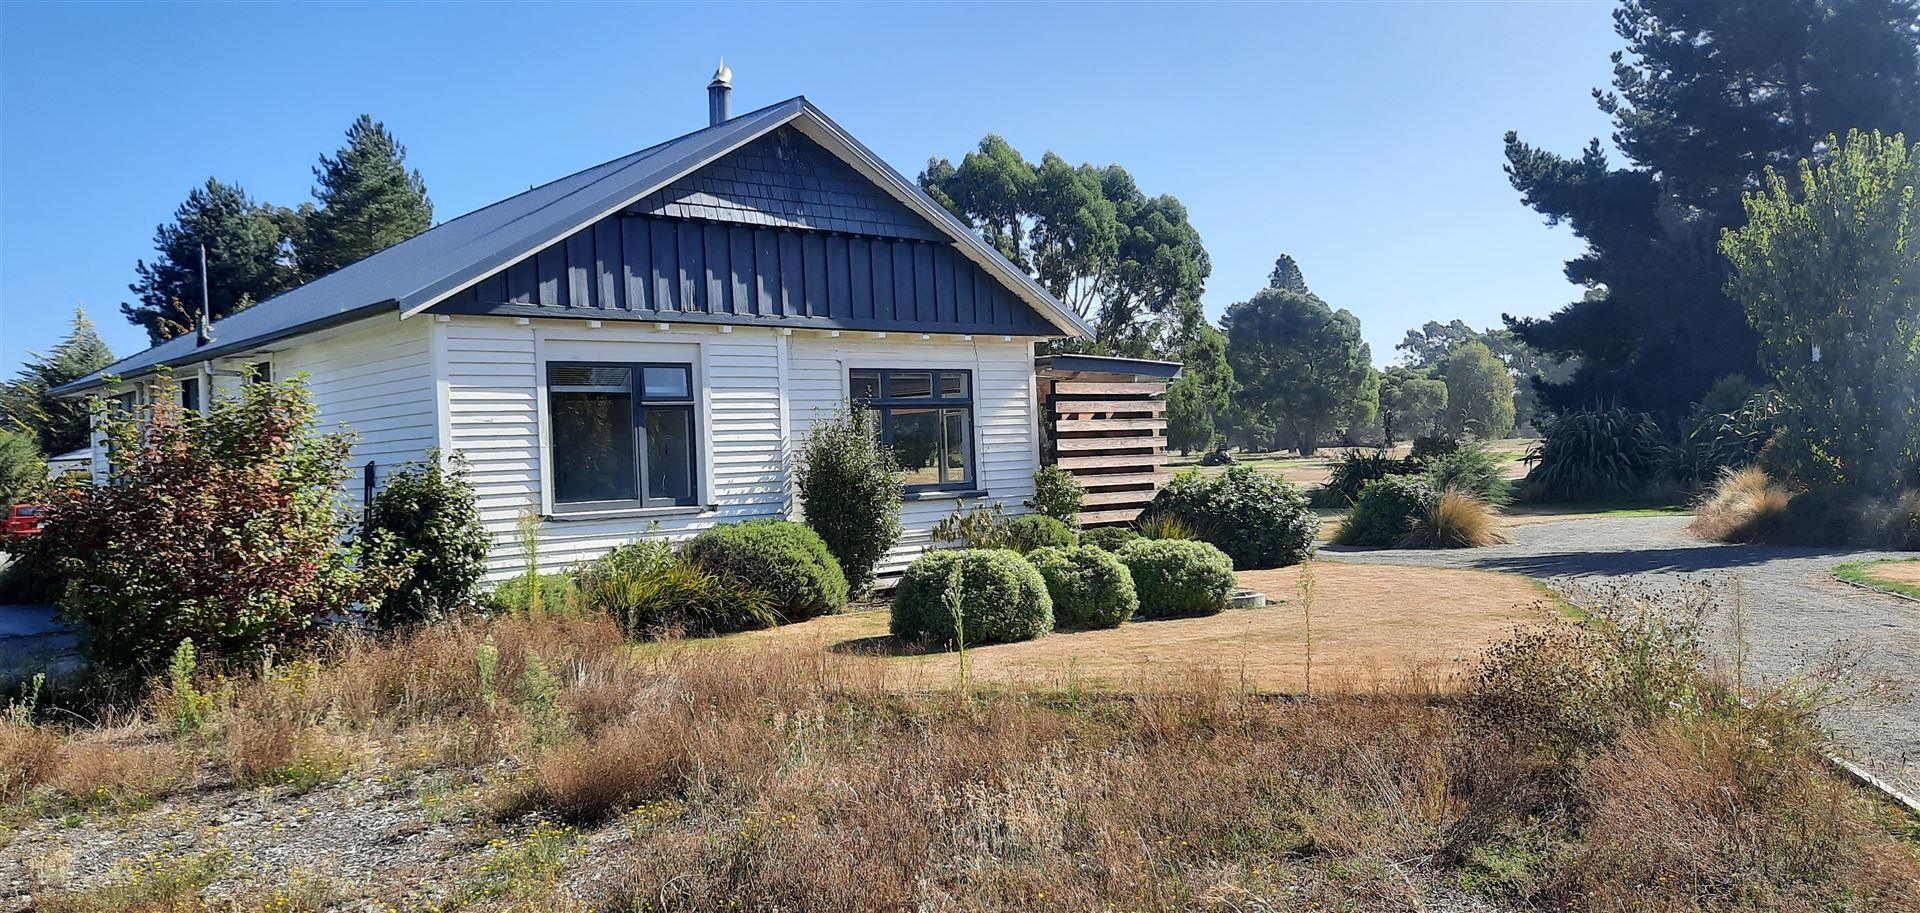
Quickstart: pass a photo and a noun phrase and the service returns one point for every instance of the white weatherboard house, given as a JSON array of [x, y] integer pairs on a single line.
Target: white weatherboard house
[[632, 349]]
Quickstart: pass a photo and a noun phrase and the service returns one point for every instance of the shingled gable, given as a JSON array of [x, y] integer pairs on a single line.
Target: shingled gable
[[949, 282]]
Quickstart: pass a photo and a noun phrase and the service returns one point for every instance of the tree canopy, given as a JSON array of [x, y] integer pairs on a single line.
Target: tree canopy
[[1286, 275], [1300, 365], [1479, 392], [1830, 276], [1705, 96], [249, 258], [1121, 259], [368, 199], [1413, 403], [56, 425], [1200, 397]]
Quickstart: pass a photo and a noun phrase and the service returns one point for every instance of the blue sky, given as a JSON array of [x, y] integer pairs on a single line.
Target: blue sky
[[1363, 139]]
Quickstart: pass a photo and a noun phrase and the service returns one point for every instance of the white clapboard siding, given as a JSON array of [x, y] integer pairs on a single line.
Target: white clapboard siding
[[1005, 426], [492, 374], [376, 382]]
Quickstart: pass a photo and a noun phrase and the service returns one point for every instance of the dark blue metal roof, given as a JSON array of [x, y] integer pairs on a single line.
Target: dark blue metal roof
[[1106, 364], [428, 267]]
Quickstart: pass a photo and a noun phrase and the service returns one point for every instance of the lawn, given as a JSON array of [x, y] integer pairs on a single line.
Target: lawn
[[1893, 576], [1363, 633]]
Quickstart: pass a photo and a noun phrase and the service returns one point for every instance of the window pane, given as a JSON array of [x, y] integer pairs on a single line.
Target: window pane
[[190, 394], [669, 455], [611, 378], [916, 444], [593, 447], [866, 385], [664, 383], [958, 444], [953, 385], [909, 384]]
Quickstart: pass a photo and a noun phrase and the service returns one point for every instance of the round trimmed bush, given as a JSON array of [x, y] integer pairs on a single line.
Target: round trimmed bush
[[1089, 586], [1030, 531], [1111, 538], [786, 560], [1386, 511], [1002, 597], [1178, 578], [1260, 520]]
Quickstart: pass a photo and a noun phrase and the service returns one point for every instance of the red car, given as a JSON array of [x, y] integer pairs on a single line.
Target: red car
[[22, 520]]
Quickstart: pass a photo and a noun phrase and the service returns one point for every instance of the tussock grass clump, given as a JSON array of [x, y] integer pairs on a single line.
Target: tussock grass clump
[[1455, 520], [1744, 505]]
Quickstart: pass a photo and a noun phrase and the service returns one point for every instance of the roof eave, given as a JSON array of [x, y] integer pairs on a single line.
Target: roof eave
[[218, 350]]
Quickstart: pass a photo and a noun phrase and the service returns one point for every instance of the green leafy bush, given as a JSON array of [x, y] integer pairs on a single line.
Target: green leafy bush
[[1177, 578], [1057, 494], [559, 592], [1089, 586], [850, 489], [1259, 520], [1471, 469], [428, 511], [981, 526], [1427, 449], [1597, 454], [1835, 517], [1903, 530], [1387, 511], [783, 559], [653, 589], [1352, 470], [1110, 538], [1002, 598], [23, 471], [226, 529], [1030, 531]]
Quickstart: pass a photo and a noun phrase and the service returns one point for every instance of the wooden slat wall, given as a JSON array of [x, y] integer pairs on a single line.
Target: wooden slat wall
[[1109, 431]]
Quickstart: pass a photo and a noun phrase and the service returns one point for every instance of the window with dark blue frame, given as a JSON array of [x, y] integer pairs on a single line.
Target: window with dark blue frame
[[926, 416], [623, 435]]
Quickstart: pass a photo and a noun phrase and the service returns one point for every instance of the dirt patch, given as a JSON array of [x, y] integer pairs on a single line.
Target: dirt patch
[[1371, 624]]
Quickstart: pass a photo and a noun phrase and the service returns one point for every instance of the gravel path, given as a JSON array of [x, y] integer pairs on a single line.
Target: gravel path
[[1797, 613]]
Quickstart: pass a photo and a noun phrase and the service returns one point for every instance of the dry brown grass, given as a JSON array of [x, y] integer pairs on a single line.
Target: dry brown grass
[[28, 756], [1742, 506], [779, 774], [1456, 520]]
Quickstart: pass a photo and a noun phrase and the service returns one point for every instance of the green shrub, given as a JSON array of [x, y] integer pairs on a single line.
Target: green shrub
[[1387, 511], [783, 559], [1057, 494], [1597, 454], [428, 510], [1089, 586], [849, 485], [558, 593], [1030, 531], [1259, 520], [653, 589], [1177, 578], [1110, 538], [1427, 449], [1352, 470], [981, 526], [23, 471], [1471, 469], [226, 529], [1834, 518], [1903, 530], [1002, 598]]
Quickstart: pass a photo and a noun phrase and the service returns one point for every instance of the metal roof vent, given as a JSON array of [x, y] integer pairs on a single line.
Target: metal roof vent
[[720, 95]]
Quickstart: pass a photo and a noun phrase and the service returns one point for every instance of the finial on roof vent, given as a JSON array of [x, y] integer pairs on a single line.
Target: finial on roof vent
[[720, 95]]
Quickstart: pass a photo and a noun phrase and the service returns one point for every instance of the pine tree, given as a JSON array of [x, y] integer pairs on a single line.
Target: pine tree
[[247, 256], [1705, 97], [57, 425], [1286, 275], [369, 201]]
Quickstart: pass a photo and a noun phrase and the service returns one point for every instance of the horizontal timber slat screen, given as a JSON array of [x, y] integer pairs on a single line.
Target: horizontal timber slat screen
[[1108, 428]]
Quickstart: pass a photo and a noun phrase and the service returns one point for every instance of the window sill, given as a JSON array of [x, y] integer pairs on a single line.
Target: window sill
[[945, 494], [621, 513]]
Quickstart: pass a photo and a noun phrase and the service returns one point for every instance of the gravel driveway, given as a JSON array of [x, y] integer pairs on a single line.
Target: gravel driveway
[[1796, 611]]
